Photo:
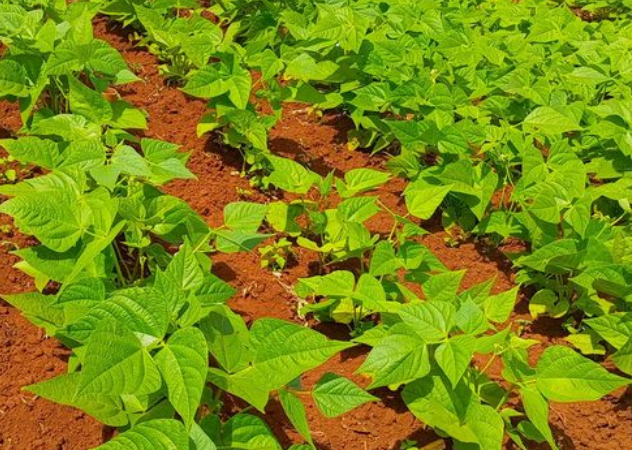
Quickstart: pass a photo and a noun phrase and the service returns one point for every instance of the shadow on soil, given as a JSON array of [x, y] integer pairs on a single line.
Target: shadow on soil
[[290, 148]]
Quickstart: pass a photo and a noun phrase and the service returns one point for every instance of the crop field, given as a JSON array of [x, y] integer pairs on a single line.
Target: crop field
[[315, 225]]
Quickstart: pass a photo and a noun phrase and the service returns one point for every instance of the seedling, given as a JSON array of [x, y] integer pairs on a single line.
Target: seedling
[[275, 255]]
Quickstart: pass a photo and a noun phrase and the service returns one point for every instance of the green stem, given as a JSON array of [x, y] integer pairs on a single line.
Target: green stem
[[386, 208], [141, 258], [392, 233], [117, 265], [503, 400], [489, 363]]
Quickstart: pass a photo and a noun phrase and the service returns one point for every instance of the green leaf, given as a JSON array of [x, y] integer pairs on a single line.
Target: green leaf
[[587, 75], [244, 384], [142, 310], [246, 432], [85, 292], [423, 202], [284, 350], [454, 356], [383, 260], [13, 79], [207, 83], [159, 434], [239, 86], [397, 359], [70, 127], [227, 337], [183, 363], [545, 208], [116, 363], [361, 180], [40, 309], [165, 161], [96, 56], [200, 439], [282, 217], [587, 342], [233, 241], [547, 255], [130, 162], [537, 410], [290, 176], [185, 269], [305, 68], [339, 283], [63, 389], [88, 103], [623, 358], [487, 425], [268, 62], [563, 375], [244, 216], [124, 116], [358, 209], [295, 411], [12, 18], [281, 351], [432, 321], [411, 133], [125, 76], [335, 395], [51, 211], [44, 264], [370, 292], [84, 155], [443, 286], [616, 328], [547, 302], [30, 149], [457, 412], [214, 290], [200, 47], [471, 319], [91, 261], [103, 58], [551, 120], [499, 307]]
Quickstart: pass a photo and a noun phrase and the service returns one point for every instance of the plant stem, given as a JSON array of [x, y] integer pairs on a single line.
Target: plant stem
[[489, 363], [117, 265]]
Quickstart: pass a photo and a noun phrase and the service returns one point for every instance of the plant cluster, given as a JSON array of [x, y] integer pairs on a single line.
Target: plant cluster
[[509, 120], [511, 117]]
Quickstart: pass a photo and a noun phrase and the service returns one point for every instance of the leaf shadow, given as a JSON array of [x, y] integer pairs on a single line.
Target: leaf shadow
[[224, 271], [230, 156]]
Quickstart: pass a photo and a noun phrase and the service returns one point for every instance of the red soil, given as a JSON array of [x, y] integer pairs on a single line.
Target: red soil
[[26, 356]]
